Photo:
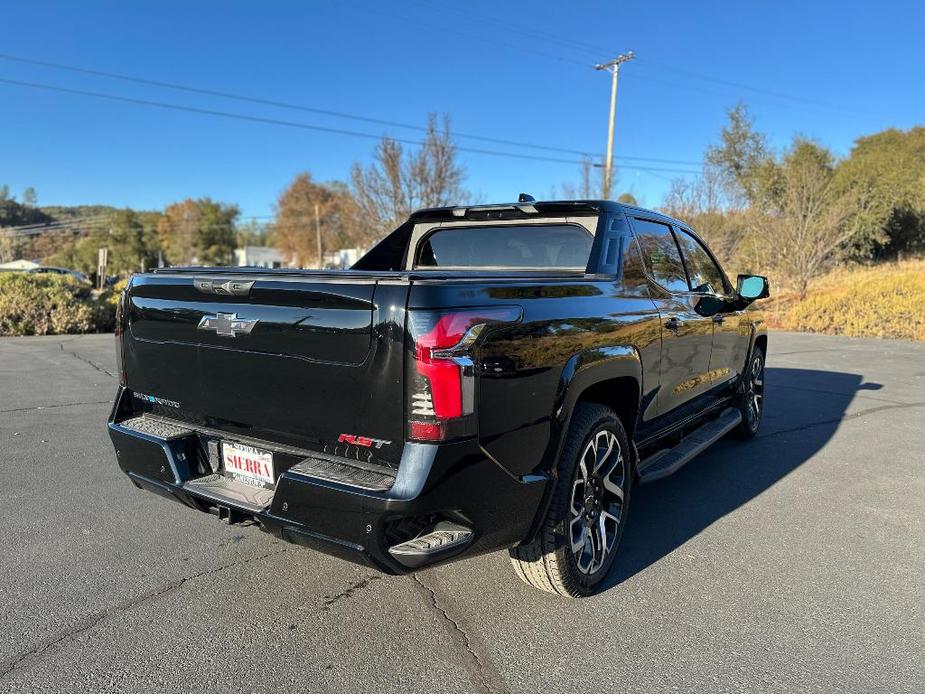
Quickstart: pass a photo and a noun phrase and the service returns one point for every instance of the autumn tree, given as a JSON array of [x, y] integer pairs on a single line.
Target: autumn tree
[[399, 182], [198, 232], [294, 230]]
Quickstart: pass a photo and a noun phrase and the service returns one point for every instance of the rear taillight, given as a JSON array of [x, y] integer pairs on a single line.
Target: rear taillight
[[440, 375], [120, 360]]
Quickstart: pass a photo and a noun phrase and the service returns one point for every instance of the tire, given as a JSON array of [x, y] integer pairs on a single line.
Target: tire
[[751, 400], [584, 508]]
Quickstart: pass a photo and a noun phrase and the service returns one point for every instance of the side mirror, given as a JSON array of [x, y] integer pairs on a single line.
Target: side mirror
[[752, 287]]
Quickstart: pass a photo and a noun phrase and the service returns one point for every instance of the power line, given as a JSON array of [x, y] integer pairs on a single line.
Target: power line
[[301, 126], [739, 85], [278, 104], [595, 50], [519, 28], [325, 112]]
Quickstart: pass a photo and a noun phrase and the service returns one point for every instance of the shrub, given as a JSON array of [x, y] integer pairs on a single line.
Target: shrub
[[43, 305], [104, 307]]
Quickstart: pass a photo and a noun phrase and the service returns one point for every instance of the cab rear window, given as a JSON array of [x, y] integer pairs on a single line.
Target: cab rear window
[[528, 246]]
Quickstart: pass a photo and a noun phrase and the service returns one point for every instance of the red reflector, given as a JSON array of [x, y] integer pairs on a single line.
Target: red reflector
[[444, 382], [427, 431]]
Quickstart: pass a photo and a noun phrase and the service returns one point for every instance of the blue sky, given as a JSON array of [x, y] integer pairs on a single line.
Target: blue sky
[[516, 71]]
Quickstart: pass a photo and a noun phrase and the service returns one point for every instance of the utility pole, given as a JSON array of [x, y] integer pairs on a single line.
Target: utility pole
[[318, 233], [614, 68]]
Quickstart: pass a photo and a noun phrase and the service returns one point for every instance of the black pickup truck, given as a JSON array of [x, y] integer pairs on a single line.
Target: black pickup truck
[[486, 377]]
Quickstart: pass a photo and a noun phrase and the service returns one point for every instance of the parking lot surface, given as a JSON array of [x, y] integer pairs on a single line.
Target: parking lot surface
[[793, 562]]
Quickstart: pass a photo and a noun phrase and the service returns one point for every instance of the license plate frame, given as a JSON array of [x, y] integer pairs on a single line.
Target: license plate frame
[[248, 465]]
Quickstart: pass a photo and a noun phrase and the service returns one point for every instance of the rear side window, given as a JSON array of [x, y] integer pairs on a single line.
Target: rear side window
[[660, 254], [541, 246]]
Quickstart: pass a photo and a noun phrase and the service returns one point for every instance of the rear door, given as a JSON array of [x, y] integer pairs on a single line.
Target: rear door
[[687, 335], [293, 359]]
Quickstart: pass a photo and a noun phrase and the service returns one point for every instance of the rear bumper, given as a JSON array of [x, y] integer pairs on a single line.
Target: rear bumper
[[451, 482]]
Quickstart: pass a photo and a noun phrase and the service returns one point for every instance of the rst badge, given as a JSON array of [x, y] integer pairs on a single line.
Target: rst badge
[[363, 441], [227, 324]]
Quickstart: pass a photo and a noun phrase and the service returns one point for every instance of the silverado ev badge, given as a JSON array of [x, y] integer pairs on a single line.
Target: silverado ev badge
[[227, 324]]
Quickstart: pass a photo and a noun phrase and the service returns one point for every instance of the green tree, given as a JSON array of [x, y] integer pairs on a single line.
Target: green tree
[[885, 176], [627, 199], [198, 232], [742, 152], [252, 233], [14, 213], [132, 247]]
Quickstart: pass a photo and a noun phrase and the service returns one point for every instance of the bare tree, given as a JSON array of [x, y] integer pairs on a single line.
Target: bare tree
[[702, 202], [396, 184], [804, 218], [589, 182]]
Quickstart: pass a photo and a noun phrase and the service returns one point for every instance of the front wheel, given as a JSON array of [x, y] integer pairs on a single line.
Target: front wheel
[[575, 548], [751, 401]]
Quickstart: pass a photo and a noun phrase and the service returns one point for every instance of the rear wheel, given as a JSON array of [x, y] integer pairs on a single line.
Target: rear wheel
[[751, 401], [575, 548]]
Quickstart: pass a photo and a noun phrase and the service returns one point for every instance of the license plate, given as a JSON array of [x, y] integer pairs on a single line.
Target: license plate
[[248, 465]]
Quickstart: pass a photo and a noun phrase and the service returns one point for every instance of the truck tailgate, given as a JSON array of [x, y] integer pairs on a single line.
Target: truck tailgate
[[297, 359]]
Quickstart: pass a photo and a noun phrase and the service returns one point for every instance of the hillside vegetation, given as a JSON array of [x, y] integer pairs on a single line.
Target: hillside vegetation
[[886, 300]]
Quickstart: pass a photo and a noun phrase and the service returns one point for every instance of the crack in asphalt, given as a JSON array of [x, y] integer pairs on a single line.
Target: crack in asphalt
[[855, 415], [85, 360], [89, 622], [487, 680], [51, 407]]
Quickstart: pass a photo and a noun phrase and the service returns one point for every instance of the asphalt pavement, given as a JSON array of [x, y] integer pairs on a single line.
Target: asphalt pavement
[[794, 562]]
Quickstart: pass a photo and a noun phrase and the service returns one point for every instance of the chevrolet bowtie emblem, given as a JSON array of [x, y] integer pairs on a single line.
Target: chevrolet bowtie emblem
[[227, 324]]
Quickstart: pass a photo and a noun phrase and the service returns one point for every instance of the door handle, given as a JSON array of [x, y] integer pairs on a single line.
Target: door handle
[[718, 317], [673, 324]]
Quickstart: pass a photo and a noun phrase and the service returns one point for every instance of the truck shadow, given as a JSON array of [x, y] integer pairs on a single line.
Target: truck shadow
[[804, 409]]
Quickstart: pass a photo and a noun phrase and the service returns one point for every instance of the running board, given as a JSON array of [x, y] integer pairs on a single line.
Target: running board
[[668, 461], [423, 549]]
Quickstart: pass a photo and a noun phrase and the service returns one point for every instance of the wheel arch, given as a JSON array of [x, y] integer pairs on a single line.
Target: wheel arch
[[610, 376]]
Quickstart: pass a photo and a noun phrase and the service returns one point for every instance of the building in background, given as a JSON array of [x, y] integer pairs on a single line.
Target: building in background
[[258, 256], [342, 258], [269, 257]]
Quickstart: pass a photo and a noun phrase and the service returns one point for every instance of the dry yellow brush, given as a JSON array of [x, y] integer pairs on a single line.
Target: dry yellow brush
[[882, 301]]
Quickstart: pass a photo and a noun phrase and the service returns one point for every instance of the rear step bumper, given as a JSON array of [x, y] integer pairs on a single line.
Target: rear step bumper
[[443, 501]]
